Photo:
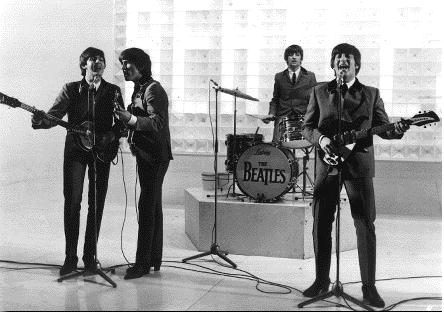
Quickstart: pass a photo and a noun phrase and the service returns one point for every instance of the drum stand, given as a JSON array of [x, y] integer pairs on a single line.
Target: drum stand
[[304, 173]]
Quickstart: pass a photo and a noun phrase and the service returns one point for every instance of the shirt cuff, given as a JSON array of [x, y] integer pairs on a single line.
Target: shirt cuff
[[132, 120], [320, 139]]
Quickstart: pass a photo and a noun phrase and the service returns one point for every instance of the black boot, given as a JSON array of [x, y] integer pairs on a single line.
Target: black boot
[[136, 271], [69, 266], [156, 264], [318, 287], [371, 296]]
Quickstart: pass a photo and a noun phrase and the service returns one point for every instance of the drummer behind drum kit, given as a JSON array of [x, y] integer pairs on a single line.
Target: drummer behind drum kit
[[263, 171]]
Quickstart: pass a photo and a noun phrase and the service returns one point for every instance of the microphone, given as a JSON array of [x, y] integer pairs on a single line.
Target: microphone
[[215, 83]]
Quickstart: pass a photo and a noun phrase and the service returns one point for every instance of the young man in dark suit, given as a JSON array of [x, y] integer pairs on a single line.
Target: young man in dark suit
[[149, 138], [291, 89], [360, 103], [79, 100]]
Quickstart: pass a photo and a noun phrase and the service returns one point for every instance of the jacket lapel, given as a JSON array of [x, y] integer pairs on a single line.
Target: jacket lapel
[[102, 90], [355, 101]]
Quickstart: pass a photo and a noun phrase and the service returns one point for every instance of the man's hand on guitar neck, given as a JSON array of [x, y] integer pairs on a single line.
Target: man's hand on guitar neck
[[401, 126], [37, 118]]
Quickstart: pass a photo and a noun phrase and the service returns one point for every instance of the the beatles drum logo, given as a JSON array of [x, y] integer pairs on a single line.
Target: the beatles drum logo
[[263, 174]]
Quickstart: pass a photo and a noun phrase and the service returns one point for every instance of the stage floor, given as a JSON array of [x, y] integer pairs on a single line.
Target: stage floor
[[32, 231]]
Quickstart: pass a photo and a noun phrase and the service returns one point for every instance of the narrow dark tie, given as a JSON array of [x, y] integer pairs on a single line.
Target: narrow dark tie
[[344, 88], [293, 78]]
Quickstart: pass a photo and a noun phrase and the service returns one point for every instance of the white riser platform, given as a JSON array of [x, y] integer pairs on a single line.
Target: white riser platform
[[281, 229]]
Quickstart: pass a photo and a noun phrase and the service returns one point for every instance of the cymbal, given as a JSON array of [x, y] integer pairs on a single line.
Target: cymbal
[[236, 93]]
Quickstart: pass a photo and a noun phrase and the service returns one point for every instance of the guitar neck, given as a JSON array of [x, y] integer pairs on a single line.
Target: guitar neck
[[376, 130], [58, 121]]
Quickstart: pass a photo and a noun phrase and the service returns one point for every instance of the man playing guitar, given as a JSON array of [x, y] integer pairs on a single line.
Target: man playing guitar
[[88, 101]]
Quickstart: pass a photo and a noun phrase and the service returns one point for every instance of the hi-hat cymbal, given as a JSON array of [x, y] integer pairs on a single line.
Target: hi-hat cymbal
[[236, 93]]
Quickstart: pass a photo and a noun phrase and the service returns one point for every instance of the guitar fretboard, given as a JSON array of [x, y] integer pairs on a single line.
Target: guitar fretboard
[[376, 130], [48, 116]]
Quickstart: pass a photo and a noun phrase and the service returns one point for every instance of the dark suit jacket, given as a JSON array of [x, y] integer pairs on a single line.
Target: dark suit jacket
[[360, 101], [289, 98], [73, 101], [152, 131]]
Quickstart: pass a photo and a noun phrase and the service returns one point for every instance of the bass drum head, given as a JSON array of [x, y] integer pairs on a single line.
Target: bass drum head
[[265, 172]]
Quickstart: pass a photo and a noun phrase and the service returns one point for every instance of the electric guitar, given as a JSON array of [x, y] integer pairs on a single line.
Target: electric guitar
[[345, 141], [106, 143]]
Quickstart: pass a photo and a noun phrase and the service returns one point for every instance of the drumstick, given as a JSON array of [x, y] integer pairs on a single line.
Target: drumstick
[[254, 116]]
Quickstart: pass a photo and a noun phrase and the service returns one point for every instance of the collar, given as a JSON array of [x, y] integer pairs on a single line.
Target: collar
[[144, 81], [353, 86], [287, 71], [96, 84], [350, 83], [290, 72]]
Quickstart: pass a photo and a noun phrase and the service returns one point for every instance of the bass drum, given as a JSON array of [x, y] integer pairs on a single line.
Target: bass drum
[[265, 172]]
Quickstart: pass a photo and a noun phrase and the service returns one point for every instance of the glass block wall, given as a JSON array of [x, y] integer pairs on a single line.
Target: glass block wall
[[240, 44]]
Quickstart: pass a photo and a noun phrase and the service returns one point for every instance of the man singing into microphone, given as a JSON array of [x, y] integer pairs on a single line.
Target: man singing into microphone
[[77, 100], [291, 90], [149, 138], [360, 102]]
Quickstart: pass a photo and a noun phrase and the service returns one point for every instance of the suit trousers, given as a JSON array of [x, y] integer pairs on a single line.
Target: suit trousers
[[150, 235], [362, 203], [74, 169]]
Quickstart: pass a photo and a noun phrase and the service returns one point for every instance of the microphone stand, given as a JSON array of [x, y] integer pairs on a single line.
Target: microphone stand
[[97, 269], [214, 249], [337, 289], [235, 156]]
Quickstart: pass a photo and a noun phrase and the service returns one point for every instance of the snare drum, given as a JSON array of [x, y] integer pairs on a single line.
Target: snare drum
[[265, 172], [290, 128], [243, 142]]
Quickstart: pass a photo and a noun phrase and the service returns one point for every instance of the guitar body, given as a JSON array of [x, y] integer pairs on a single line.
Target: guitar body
[[330, 129], [140, 141], [107, 144]]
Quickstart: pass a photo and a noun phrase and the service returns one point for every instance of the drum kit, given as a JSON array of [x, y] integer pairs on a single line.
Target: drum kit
[[264, 172]]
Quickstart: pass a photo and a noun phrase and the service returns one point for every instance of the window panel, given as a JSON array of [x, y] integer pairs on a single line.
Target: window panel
[[240, 44]]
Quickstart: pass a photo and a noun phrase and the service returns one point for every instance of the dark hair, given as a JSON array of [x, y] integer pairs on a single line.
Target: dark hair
[[347, 49], [86, 55], [293, 49], [139, 58]]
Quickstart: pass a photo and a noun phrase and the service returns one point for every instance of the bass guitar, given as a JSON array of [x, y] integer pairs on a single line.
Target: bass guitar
[[345, 141], [106, 144]]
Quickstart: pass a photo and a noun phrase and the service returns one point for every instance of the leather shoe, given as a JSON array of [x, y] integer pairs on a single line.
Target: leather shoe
[[90, 268], [155, 265], [318, 287], [136, 272], [371, 296], [68, 267]]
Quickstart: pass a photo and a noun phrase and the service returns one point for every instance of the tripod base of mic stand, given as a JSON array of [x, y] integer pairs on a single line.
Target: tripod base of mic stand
[[214, 250], [337, 291], [96, 271]]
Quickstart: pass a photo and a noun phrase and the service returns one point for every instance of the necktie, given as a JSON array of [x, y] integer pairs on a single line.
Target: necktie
[[293, 78], [344, 88]]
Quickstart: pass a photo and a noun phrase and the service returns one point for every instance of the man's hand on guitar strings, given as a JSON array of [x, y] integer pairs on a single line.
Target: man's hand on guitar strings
[[328, 145], [122, 115]]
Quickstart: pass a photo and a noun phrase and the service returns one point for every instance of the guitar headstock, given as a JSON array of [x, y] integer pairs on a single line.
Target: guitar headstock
[[423, 119], [117, 95], [10, 101]]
